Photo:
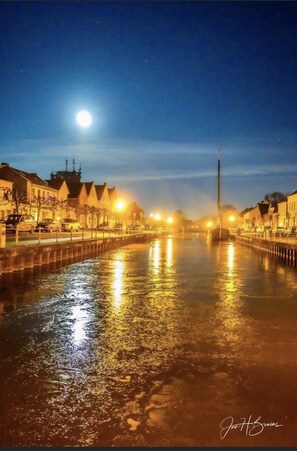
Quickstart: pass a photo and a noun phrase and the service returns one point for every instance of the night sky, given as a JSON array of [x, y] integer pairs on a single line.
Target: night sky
[[166, 83]]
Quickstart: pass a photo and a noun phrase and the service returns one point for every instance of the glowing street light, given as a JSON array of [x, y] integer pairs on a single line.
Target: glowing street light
[[84, 119], [209, 224], [232, 218], [170, 220], [120, 205], [157, 216]]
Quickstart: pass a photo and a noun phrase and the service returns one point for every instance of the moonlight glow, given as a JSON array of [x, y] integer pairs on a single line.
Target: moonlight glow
[[84, 119]]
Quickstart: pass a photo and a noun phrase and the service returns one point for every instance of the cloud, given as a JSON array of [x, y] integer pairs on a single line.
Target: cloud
[[173, 173]]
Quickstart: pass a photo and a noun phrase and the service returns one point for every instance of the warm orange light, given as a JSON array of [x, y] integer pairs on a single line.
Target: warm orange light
[[120, 205], [232, 218], [170, 220], [157, 216], [209, 224]]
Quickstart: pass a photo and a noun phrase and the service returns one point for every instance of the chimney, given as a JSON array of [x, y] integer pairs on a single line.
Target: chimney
[[5, 164]]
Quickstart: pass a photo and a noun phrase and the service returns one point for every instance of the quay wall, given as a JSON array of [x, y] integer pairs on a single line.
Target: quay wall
[[28, 257], [282, 251]]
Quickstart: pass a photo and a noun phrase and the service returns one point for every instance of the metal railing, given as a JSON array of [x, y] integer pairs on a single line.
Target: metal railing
[[272, 236], [38, 237]]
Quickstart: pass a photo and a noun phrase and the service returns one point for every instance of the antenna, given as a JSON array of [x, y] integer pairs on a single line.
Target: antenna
[[66, 165], [73, 162], [79, 168]]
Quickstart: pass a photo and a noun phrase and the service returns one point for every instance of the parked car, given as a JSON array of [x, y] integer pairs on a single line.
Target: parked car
[[70, 225], [24, 223], [104, 226], [118, 227], [292, 231], [49, 225], [279, 231]]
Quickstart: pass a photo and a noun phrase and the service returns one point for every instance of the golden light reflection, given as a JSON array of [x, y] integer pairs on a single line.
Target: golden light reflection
[[80, 317], [230, 262], [169, 253], [231, 328], [118, 282], [154, 256]]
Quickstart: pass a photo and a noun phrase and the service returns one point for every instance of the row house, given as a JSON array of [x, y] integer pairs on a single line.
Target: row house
[[103, 203], [5, 198], [292, 209], [91, 204], [257, 217], [30, 194], [270, 219], [63, 196], [283, 214], [246, 218]]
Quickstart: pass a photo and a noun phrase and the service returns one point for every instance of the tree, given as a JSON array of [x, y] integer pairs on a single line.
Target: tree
[[19, 199], [42, 202], [228, 208], [276, 196]]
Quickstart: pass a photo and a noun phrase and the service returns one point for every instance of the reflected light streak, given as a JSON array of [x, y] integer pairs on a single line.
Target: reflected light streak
[[154, 256], [78, 327], [118, 282], [230, 262], [169, 253]]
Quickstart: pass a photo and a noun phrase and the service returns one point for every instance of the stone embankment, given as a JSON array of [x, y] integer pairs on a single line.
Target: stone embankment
[[285, 251], [28, 257]]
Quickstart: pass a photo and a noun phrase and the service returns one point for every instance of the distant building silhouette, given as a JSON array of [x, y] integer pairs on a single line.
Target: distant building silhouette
[[68, 176]]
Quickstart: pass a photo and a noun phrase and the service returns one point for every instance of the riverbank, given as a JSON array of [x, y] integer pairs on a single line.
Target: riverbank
[[28, 257]]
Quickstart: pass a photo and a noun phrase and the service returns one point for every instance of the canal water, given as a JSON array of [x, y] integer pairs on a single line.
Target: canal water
[[166, 343]]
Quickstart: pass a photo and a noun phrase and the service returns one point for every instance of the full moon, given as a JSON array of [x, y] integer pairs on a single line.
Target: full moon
[[84, 118]]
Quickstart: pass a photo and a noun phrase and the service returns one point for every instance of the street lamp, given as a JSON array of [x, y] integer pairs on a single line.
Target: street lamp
[[120, 207]]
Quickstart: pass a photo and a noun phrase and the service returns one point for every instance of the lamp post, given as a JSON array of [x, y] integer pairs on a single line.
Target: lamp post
[[121, 206]]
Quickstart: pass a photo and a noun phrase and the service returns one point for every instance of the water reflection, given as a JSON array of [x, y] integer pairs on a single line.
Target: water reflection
[[232, 325], [103, 335], [118, 279], [80, 318], [231, 249], [155, 255], [169, 261]]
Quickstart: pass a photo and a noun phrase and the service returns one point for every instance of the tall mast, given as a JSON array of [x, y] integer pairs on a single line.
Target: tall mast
[[219, 187]]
